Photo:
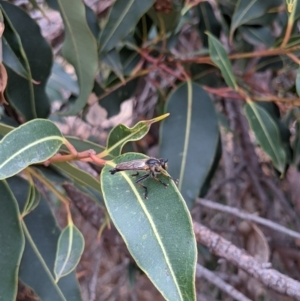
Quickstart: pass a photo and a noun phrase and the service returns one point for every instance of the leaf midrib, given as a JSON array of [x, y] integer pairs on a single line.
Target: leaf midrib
[[29, 146], [117, 24], [155, 231]]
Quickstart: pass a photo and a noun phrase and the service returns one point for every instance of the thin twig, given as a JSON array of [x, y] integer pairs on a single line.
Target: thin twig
[[221, 284], [240, 258], [247, 216]]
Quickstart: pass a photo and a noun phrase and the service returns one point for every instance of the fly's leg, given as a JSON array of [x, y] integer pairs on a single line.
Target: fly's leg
[[139, 180], [135, 174], [159, 180]]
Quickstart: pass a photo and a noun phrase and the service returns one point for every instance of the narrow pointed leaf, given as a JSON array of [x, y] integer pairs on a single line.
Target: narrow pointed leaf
[[32, 201], [79, 48], [121, 134], [219, 56], [112, 102], [69, 250], [189, 138], [28, 98], [207, 22], [14, 55], [266, 133], [11, 60], [78, 175], [113, 62], [158, 232], [124, 15], [11, 242], [61, 80], [258, 35], [298, 81], [249, 12], [34, 142], [5, 129], [41, 235]]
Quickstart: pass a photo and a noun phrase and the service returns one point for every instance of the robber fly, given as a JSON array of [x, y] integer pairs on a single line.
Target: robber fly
[[152, 166]]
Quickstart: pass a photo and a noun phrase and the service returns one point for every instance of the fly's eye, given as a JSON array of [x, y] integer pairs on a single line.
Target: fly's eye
[[165, 166]]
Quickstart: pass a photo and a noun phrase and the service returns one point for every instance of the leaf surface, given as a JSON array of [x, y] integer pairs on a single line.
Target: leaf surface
[[189, 138], [11, 242], [79, 48], [69, 250], [219, 56], [158, 232], [123, 16], [34, 142], [266, 133]]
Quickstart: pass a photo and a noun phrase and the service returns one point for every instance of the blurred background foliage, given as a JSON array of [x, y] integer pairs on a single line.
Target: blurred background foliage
[[228, 73]]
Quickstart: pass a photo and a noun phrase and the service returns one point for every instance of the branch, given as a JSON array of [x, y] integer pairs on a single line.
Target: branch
[[248, 216], [240, 258], [221, 284]]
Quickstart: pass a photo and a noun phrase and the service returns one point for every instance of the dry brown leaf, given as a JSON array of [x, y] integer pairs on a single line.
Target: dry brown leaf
[[3, 83]]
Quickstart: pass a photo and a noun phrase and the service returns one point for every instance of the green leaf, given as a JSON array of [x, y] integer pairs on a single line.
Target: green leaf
[[79, 176], [167, 22], [61, 80], [14, 55], [189, 138], [158, 232], [5, 129], [11, 242], [34, 142], [112, 61], [41, 235], [266, 133], [298, 81], [296, 145], [113, 100], [258, 35], [69, 249], [207, 22], [121, 134], [123, 16], [33, 200], [79, 48], [219, 56], [92, 21], [251, 13], [11, 60], [27, 98]]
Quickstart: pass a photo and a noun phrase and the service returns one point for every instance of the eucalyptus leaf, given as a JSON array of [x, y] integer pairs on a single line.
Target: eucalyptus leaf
[[266, 133], [113, 100], [34, 142], [121, 134], [79, 48], [11, 242], [207, 22], [252, 12], [123, 16], [78, 175], [258, 35], [27, 96], [219, 56], [298, 81], [189, 138], [158, 232], [41, 233], [69, 250]]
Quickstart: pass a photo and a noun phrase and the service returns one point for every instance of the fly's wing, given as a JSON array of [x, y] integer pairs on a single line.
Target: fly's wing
[[133, 165]]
